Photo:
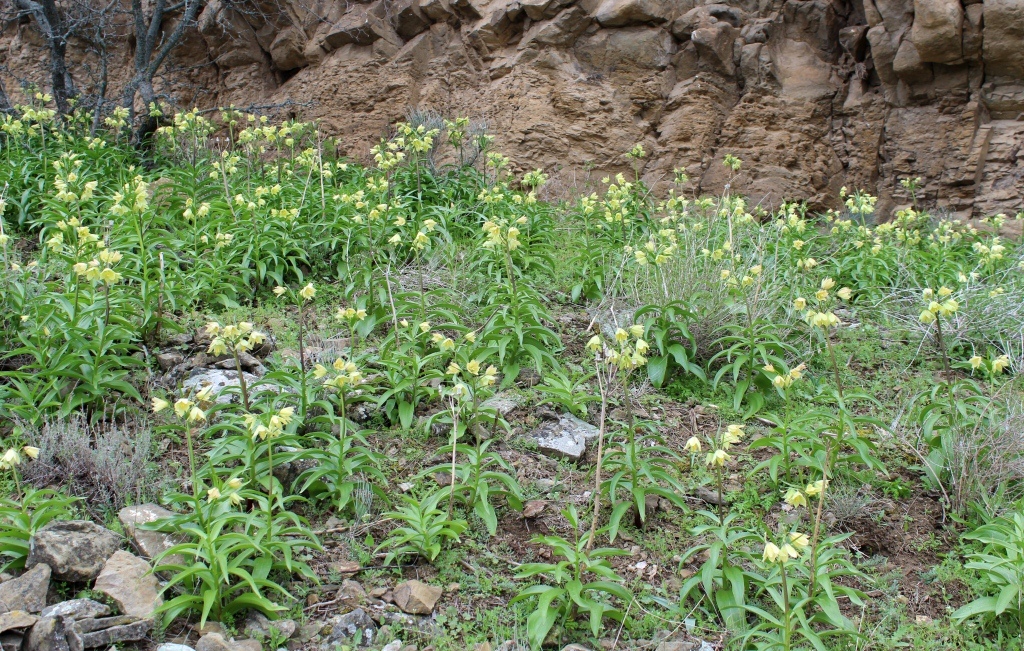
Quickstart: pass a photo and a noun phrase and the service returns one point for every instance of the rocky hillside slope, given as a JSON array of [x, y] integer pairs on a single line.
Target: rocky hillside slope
[[812, 95]]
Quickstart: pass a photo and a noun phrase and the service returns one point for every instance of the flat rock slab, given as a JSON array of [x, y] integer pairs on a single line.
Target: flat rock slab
[[127, 580], [26, 592], [111, 630], [75, 550], [416, 597], [77, 609], [16, 619], [565, 438], [504, 404], [257, 625], [217, 642], [149, 543], [225, 383], [348, 627]]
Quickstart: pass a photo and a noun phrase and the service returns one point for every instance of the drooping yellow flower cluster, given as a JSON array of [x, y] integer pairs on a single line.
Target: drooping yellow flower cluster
[[68, 180], [501, 234], [134, 198], [535, 179], [784, 380], [350, 315], [344, 374], [796, 497], [994, 366], [388, 155], [232, 486], [732, 435], [417, 139], [456, 130], [796, 542], [471, 377], [185, 409], [991, 252], [270, 425], [101, 268], [190, 123], [618, 200], [233, 338], [938, 305], [12, 457], [627, 352], [823, 317], [661, 246]]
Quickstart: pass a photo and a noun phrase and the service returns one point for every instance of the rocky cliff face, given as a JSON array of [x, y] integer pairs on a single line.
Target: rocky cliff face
[[811, 94]]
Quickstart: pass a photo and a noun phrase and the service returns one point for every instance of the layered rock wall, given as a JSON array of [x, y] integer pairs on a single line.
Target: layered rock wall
[[812, 95]]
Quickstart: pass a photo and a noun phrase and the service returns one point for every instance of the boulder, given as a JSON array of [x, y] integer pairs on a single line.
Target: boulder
[[11, 641], [356, 26], [349, 627], [75, 550], [1003, 42], [351, 595], [972, 32], [628, 52], [619, 13], [130, 583], [897, 16], [217, 642], [494, 30], [225, 383], [257, 625], [854, 41], [251, 363], [908, 65], [416, 597], [436, 9], [937, 32], [77, 609], [883, 52], [562, 30], [174, 647], [505, 403], [408, 19], [48, 634], [169, 360], [149, 544], [543, 9], [104, 632], [706, 16], [565, 438], [715, 47], [26, 592], [287, 50], [16, 619]]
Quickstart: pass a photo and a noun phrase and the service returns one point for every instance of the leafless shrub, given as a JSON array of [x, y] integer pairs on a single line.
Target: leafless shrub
[[847, 504], [363, 502], [983, 460], [694, 274], [988, 317], [107, 464]]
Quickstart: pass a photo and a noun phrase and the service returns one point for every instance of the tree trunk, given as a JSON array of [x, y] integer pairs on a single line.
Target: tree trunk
[[48, 20], [5, 104]]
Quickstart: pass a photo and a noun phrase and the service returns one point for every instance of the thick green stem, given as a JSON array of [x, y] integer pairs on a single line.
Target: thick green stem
[[786, 626], [241, 378], [455, 441]]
